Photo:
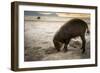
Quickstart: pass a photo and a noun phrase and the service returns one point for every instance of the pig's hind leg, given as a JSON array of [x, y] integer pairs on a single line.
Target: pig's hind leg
[[83, 43]]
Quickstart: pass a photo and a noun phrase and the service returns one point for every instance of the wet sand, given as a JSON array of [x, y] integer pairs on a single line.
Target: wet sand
[[39, 46]]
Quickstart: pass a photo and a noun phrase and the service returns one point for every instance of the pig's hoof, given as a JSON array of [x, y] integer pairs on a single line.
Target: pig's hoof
[[65, 50], [58, 50], [83, 51]]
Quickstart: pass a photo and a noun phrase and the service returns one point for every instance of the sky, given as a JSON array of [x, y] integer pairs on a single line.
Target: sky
[[56, 14], [35, 13]]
